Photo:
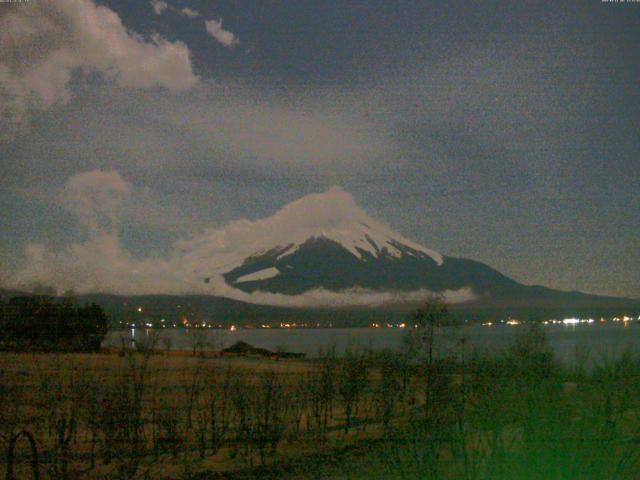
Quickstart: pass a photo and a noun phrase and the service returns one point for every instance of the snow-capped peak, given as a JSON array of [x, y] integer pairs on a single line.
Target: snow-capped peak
[[333, 215]]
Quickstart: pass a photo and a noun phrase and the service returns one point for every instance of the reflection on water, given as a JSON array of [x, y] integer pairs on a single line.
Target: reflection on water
[[569, 343]]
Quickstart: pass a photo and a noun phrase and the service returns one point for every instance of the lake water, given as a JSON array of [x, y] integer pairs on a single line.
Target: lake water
[[607, 340]]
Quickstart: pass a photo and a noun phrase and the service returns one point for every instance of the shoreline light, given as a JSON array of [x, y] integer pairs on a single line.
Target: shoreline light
[[570, 321]]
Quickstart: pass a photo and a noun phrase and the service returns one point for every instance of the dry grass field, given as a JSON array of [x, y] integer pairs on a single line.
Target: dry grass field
[[160, 415], [169, 414]]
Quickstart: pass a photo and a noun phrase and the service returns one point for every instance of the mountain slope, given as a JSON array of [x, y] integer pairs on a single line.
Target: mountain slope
[[324, 263], [332, 215], [319, 252], [325, 241]]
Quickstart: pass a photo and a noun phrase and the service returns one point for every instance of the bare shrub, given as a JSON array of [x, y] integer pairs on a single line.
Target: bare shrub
[[352, 381]]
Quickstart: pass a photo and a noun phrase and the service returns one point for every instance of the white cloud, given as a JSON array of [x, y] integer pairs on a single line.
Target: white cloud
[[42, 44], [333, 215], [101, 264], [213, 123], [159, 6], [96, 198], [224, 37], [321, 298], [296, 131], [188, 12]]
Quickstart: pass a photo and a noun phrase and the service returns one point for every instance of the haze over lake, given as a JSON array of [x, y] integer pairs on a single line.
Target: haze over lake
[[569, 343]]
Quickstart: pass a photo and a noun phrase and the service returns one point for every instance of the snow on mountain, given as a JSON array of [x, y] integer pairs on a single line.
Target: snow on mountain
[[331, 215], [259, 275], [319, 251]]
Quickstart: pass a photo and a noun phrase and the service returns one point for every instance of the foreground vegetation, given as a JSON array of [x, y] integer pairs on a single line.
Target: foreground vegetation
[[513, 414], [50, 324]]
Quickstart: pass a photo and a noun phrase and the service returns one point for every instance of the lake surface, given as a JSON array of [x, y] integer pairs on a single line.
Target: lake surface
[[569, 343]]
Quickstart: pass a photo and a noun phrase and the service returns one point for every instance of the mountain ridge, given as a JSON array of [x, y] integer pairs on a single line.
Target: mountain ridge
[[325, 252]]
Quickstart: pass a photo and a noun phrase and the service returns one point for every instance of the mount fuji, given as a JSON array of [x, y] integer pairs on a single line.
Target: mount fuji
[[320, 258], [326, 243]]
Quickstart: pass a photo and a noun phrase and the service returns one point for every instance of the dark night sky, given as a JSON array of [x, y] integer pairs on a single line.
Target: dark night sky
[[506, 132]]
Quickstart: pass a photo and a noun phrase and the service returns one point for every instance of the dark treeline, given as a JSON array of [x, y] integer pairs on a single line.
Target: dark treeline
[[40, 323]]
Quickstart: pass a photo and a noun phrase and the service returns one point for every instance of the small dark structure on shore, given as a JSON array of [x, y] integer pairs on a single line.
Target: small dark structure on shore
[[245, 349]]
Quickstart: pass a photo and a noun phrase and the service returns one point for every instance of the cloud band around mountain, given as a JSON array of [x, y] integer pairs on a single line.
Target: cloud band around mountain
[[101, 264]]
